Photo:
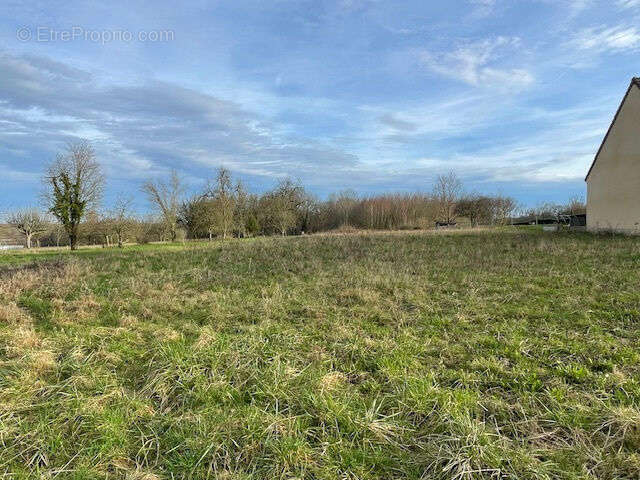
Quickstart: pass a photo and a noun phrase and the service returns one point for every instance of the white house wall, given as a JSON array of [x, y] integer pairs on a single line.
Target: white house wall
[[613, 185]]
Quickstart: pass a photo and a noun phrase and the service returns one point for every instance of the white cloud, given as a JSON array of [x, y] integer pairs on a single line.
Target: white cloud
[[496, 138], [478, 64], [142, 129], [629, 3], [602, 39]]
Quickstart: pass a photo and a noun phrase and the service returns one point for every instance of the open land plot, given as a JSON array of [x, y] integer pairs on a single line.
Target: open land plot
[[498, 354]]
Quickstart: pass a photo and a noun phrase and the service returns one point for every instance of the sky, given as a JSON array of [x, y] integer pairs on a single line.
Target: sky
[[514, 96]]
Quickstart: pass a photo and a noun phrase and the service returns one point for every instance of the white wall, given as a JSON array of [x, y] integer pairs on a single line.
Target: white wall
[[613, 186]]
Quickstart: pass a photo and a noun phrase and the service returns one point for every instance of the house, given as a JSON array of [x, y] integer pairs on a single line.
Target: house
[[613, 181]]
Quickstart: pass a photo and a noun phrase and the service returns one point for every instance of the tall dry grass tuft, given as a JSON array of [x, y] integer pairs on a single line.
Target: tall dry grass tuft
[[12, 314], [55, 276]]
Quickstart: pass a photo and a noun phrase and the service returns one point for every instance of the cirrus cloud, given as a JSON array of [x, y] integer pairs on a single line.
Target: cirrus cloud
[[480, 63], [604, 39]]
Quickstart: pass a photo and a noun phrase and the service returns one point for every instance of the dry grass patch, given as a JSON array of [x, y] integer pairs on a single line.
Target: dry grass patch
[[12, 314]]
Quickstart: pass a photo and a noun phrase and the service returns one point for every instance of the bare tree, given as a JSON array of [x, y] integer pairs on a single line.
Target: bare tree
[[147, 229], [307, 209], [94, 229], [119, 219], [576, 206], [344, 205], [282, 206], [477, 208], [221, 209], [447, 191], [241, 209], [222, 194], [504, 208], [165, 197], [29, 222], [545, 211], [75, 183], [57, 233]]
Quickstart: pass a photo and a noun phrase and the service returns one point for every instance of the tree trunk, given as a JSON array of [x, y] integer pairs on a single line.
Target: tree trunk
[[28, 235], [73, 241]]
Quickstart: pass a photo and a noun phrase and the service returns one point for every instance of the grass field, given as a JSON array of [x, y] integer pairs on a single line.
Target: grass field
[[508, 354]]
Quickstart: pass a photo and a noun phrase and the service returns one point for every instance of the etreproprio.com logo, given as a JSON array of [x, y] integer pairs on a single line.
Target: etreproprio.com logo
[[77, 33]]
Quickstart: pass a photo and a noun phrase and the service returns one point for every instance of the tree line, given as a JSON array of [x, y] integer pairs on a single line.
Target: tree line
[[74, 185]]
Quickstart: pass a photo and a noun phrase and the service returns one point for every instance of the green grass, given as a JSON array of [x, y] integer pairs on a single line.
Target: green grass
[[11, 258], [509, 354]]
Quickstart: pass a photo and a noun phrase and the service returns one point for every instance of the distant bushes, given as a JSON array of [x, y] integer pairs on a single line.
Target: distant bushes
[[290, 209], [376, 212]]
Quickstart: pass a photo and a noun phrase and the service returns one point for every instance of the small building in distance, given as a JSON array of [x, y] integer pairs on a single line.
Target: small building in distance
[[534, 220], [573, 220], [613, 181]]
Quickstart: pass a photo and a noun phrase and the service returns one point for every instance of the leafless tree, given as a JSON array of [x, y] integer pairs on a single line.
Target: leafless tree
[[57, 232], [281, 206], [307, 210], [147, 229], [241, 210], [447, 191], [222, 193], [345, 203], [29, 222], [504, 209], [120, 220], [576, 206], [477, 208], [165, 197], [94, 229], [74, 184], [545, 211]]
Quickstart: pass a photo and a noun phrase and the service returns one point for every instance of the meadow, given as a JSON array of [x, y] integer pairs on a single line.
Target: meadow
[[488, 354]]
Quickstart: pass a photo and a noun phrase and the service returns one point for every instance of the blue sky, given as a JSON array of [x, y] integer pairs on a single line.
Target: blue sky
[[371, 95]]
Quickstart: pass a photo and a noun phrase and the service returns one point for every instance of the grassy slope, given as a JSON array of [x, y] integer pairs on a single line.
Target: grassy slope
[[365, 356]]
